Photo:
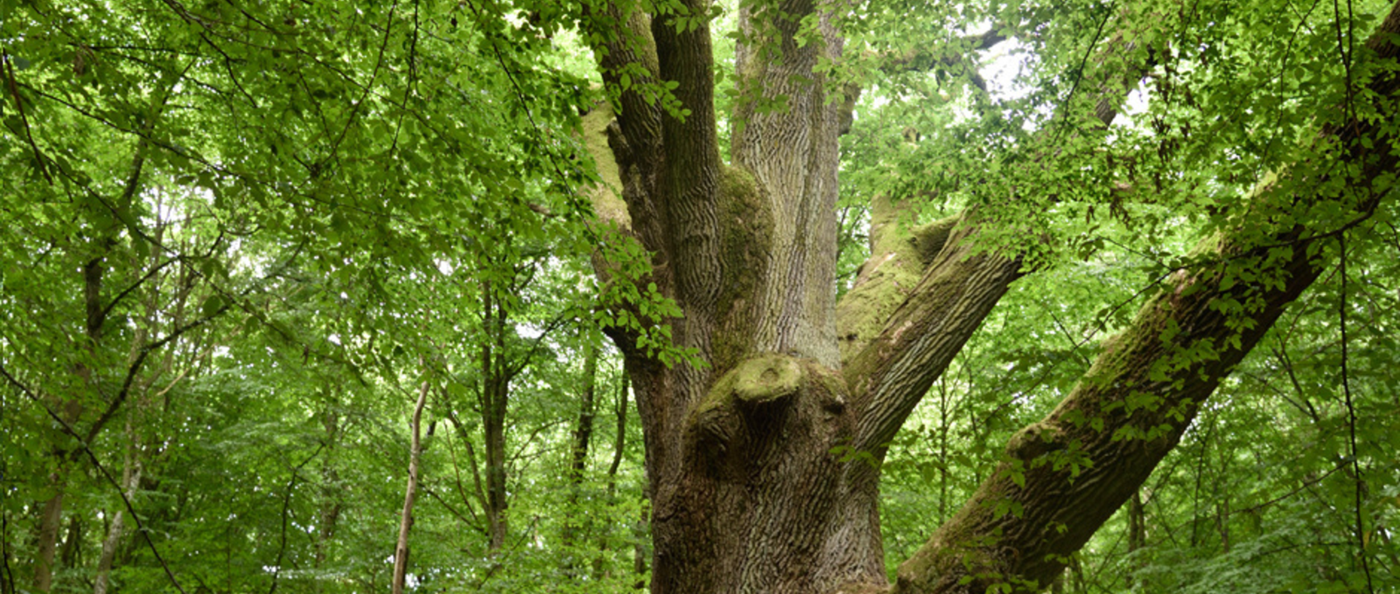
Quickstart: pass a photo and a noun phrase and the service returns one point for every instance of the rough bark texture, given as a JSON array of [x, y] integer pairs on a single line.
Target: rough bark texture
[[764, 460], [47, 541], [749, 489]]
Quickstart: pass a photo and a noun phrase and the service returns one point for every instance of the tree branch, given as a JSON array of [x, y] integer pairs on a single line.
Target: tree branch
[[1066, 474], [897, 338], [690, 173]]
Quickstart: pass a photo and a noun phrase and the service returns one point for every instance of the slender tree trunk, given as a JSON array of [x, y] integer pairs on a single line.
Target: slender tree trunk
[[478, 492], [7, 576], [131, 478], [578, 457], [640, 553], [70, 409], [1137, 537], [132, 466], [109, 553], [619, 441], [69, 555], [50, 518], [410, 491], [495, 393], [329, 513], [1222, 522], [944, 425], [496, 501]]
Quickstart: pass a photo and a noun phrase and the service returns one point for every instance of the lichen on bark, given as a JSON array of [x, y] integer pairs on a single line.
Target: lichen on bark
[[606, 203]]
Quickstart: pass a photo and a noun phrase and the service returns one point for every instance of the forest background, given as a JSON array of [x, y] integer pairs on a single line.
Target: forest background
[[277, 277]]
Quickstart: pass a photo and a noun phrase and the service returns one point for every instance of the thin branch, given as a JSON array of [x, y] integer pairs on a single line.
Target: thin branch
[[9, 72], [286, 506], [83, 445], [1360, 482], [473, 523], [107, 310], [136, 366]]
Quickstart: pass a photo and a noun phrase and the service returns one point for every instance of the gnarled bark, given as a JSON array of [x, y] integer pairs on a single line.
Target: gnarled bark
[[763, 459]]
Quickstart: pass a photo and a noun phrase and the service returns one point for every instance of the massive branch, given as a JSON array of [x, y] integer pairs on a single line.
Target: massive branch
[[1069, 472], [927, 288]]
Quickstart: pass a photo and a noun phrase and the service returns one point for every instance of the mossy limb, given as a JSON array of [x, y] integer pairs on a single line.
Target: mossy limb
[[767, 378]]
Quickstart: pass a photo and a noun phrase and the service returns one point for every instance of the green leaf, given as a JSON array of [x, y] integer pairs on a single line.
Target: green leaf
[[212, 305]]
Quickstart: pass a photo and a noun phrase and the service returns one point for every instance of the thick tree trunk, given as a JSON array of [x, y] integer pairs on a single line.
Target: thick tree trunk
[[763, 464], [764, 459], [751, 488]]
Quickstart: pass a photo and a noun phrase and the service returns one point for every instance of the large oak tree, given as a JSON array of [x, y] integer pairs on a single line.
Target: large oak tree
[[763, 448]]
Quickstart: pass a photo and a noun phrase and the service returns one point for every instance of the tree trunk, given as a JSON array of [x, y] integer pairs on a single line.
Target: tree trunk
[[749, 488], [7, 576], [69, 555], [1137, 538], [640, 553], [70, 409], [578, 459], [495, 390], [328, 515], [131, 478], [619, 442], [496, 502], [763, 459], [410, 492], [50, 518]]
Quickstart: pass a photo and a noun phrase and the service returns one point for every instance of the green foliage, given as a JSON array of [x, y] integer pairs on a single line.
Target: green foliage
[[280, 212]]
